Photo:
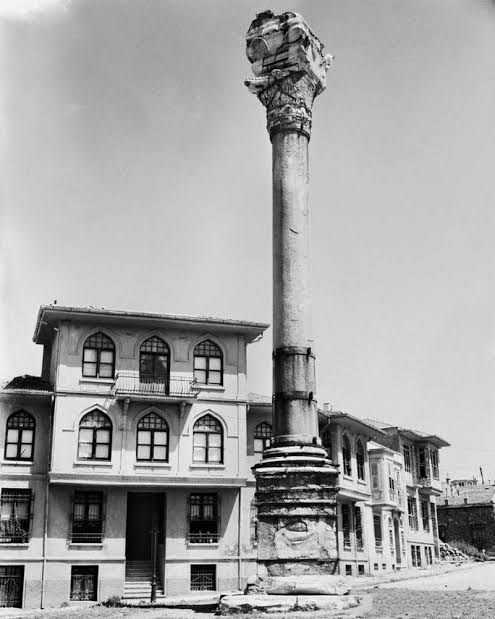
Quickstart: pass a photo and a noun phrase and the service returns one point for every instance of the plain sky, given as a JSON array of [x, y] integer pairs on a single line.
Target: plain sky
[[136, 174]]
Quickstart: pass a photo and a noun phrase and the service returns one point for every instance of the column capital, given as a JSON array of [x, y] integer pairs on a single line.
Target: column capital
[[289, 66]]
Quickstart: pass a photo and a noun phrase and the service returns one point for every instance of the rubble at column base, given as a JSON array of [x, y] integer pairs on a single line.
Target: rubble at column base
[[241, 604]]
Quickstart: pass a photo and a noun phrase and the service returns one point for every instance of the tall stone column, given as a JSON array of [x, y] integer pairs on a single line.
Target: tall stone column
[[295, 481]]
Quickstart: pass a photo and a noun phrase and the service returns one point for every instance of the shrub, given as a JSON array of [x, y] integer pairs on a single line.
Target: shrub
[[113, 601], [468, 549]]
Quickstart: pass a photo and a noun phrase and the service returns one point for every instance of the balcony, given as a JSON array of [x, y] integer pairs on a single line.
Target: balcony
[[129, 384]]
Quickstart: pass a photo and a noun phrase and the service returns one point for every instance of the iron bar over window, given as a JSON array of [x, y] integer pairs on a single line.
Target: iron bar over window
[[208, 363], [203, 577], [152, 439], [98, 356], [203, 518], [15, 515], [208, 440], [346, 525], [19, 437], [11, 586], [84, 582], [95, 437], [358, 524], [262, 437], [87, 518]]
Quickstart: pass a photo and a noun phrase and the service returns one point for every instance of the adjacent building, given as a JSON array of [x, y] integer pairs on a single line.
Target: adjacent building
[[128, 462]]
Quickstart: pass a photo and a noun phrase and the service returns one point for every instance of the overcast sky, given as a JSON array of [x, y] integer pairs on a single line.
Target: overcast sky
[[136, 173]]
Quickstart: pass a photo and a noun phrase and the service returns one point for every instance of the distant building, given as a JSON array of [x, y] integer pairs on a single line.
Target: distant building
[[453, 486], [469, 515]]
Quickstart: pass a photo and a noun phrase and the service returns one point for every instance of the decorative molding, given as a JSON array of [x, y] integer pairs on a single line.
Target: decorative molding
[[290, 67]]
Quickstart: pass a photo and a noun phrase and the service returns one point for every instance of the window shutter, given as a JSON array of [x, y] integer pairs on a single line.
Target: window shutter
[[103, 514], [31, 514]]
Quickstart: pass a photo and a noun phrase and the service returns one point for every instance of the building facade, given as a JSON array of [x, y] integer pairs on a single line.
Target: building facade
[[128, 463]]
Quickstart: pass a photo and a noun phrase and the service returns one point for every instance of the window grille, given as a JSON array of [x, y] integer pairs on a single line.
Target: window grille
[[208, 440], [346, 525], [359, 528], [15, 515], [203, 519], [84, 583], [11, 586], [87, 518], [152, 439], [95, 437], [377, 526], [98, 357], [262, 437], [203, 577], [208, 363], [19, 437]]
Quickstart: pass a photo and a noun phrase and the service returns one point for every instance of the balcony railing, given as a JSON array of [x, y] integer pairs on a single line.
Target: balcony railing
[[15, 531], [129, 383], [203, 538], [86, 537]]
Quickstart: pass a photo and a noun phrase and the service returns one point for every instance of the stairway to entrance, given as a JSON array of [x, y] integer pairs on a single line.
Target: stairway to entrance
[[138, 575]]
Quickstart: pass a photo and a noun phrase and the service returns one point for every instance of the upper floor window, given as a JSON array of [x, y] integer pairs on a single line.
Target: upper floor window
[[262, 437], [326, 441], [152, 439], [95, 437], [346, 455], [19, 437], [422, 464], [412, 510], [15, 515], [98, 356], [154, 361], [208, 363], [406, 452], [208, 440], [434, 464], [360, 459], [425, 515]]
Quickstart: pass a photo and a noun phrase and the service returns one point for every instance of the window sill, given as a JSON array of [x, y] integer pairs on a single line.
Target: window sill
[[14, 544], [16, 462], [205, 387], [99, 463], [152, 465], [362, 482], [205, 465], [203, 545], [85, 544], [98, 381], [347, 477]]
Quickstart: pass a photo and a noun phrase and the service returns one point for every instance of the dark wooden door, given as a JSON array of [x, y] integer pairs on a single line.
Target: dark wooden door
[[141, 516]]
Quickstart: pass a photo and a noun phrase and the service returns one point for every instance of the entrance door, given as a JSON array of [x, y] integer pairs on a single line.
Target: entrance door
[[144, 513], [397, 542]]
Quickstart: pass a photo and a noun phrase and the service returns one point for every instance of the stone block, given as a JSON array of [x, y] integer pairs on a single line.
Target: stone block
[[306, 585], [240, 604]]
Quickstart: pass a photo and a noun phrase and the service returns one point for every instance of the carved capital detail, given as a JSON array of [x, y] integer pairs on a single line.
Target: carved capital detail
[[289, 67]]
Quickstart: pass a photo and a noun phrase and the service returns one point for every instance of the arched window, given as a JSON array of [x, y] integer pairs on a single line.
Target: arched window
[[98, 356], [152, 439], [360, 459], [208, 363], [346, 455], [262, 437], [326, 441], [208, 440], [95, 437], [19, 437], [154, 361]]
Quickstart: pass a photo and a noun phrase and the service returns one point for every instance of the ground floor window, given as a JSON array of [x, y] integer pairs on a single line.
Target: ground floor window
[[361, 570], [203, 577], [346, 526], [203, 518], [84, 582], [15, 515], [429, 555], [348, 570], [87, 518], [11, 585], [377, 526], [416, 556]]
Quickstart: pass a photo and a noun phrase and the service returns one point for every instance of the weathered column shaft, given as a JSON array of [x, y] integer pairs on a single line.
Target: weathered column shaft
[[294, 413]]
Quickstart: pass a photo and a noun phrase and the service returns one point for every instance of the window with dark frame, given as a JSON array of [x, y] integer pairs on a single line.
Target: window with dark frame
[[152, 439], [377, 527], [15, 515], [358, 525], [346, 455], [326, 442], [154, 362], [434, 464], [406, 452], [203, 518], [346, 525], [208, 363], [95, 437], [87, 518], [412, 510], [203, 577], [425, 515], [422, 464], [262, 437], [19, 436], [98, 357], [360, 460], [84, 583], [253, 520], [208, 440]]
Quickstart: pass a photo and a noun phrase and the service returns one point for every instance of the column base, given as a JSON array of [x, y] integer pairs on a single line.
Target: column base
[[296, 500]]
